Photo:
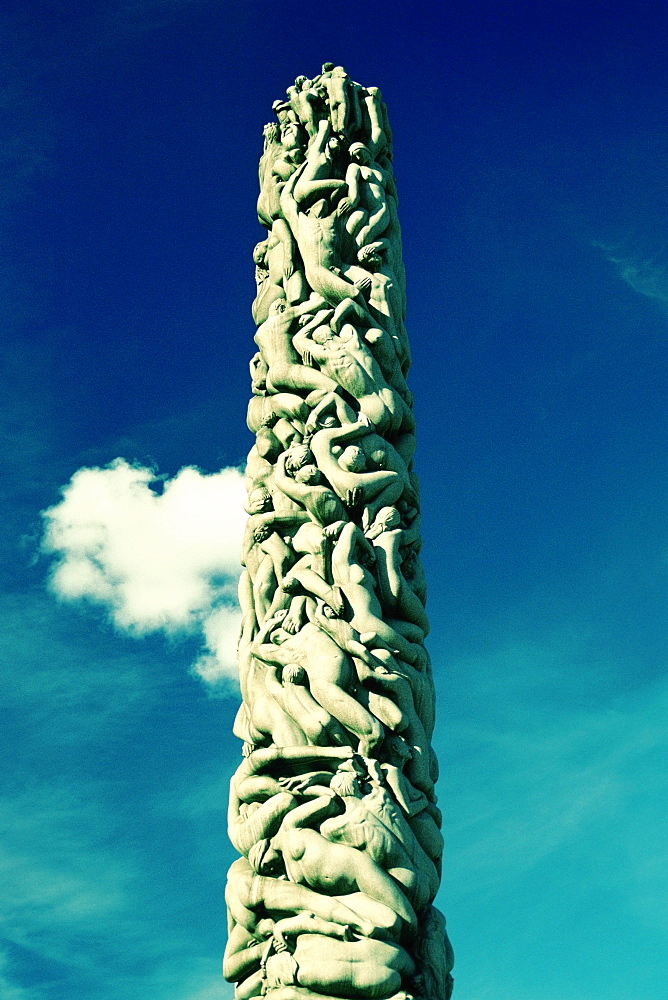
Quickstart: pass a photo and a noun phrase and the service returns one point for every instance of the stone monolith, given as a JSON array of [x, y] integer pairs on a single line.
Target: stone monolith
[[332, 809]]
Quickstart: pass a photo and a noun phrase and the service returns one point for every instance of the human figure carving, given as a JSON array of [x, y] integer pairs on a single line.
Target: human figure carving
[[377, 115], [349, 362], [393, 684], [351, 557], [410, 798], [265, 552], [317, 178], [375, 276], [253, 785], [330, 673], [343, 101], [306, 488], [261, 718], [307, 102], [373, 823], [347, 471], [317, 230], [334, 411], [365, 204], [435, 956], [251, 897], [390, 540], [283, 405], [346, 969], [333, 868], [278, 163], [273, 337], [270, 276]]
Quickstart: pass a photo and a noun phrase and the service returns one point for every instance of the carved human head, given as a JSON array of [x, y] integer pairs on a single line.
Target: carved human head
[[271, 132], [359, 153], [269, 419], [309, 475], [277, 307], [378, 459], [293, 673], [334, 144], [397, 750], [297, 457], [369, 256], [264, 928], [259, 501], [389, 517], [260, 253], [322, 334], [264, 858], [280, 970], [291, 135], [258, 373], [346, 785], [281, 109], [352, 459], [290, 585]]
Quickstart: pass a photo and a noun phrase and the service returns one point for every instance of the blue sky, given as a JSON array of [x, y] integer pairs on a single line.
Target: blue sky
[[531, 144]]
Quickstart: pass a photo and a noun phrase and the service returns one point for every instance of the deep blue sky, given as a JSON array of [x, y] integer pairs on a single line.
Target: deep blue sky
[[531, 155]]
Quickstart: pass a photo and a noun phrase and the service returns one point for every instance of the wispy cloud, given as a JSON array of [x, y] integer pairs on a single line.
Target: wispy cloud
[[533, 776], [157, 559], [645, 274], [96, 733], [84, 906], [65, 888], [69, 880], [10, 990]]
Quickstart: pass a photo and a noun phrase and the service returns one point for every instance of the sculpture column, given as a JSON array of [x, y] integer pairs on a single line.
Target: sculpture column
[[333, 808]]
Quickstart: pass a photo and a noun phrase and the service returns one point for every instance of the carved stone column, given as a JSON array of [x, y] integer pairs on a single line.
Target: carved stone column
[[333, 808]]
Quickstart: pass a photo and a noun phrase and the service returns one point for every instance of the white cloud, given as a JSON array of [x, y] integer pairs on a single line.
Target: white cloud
[[221, 630], [158, 561]]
